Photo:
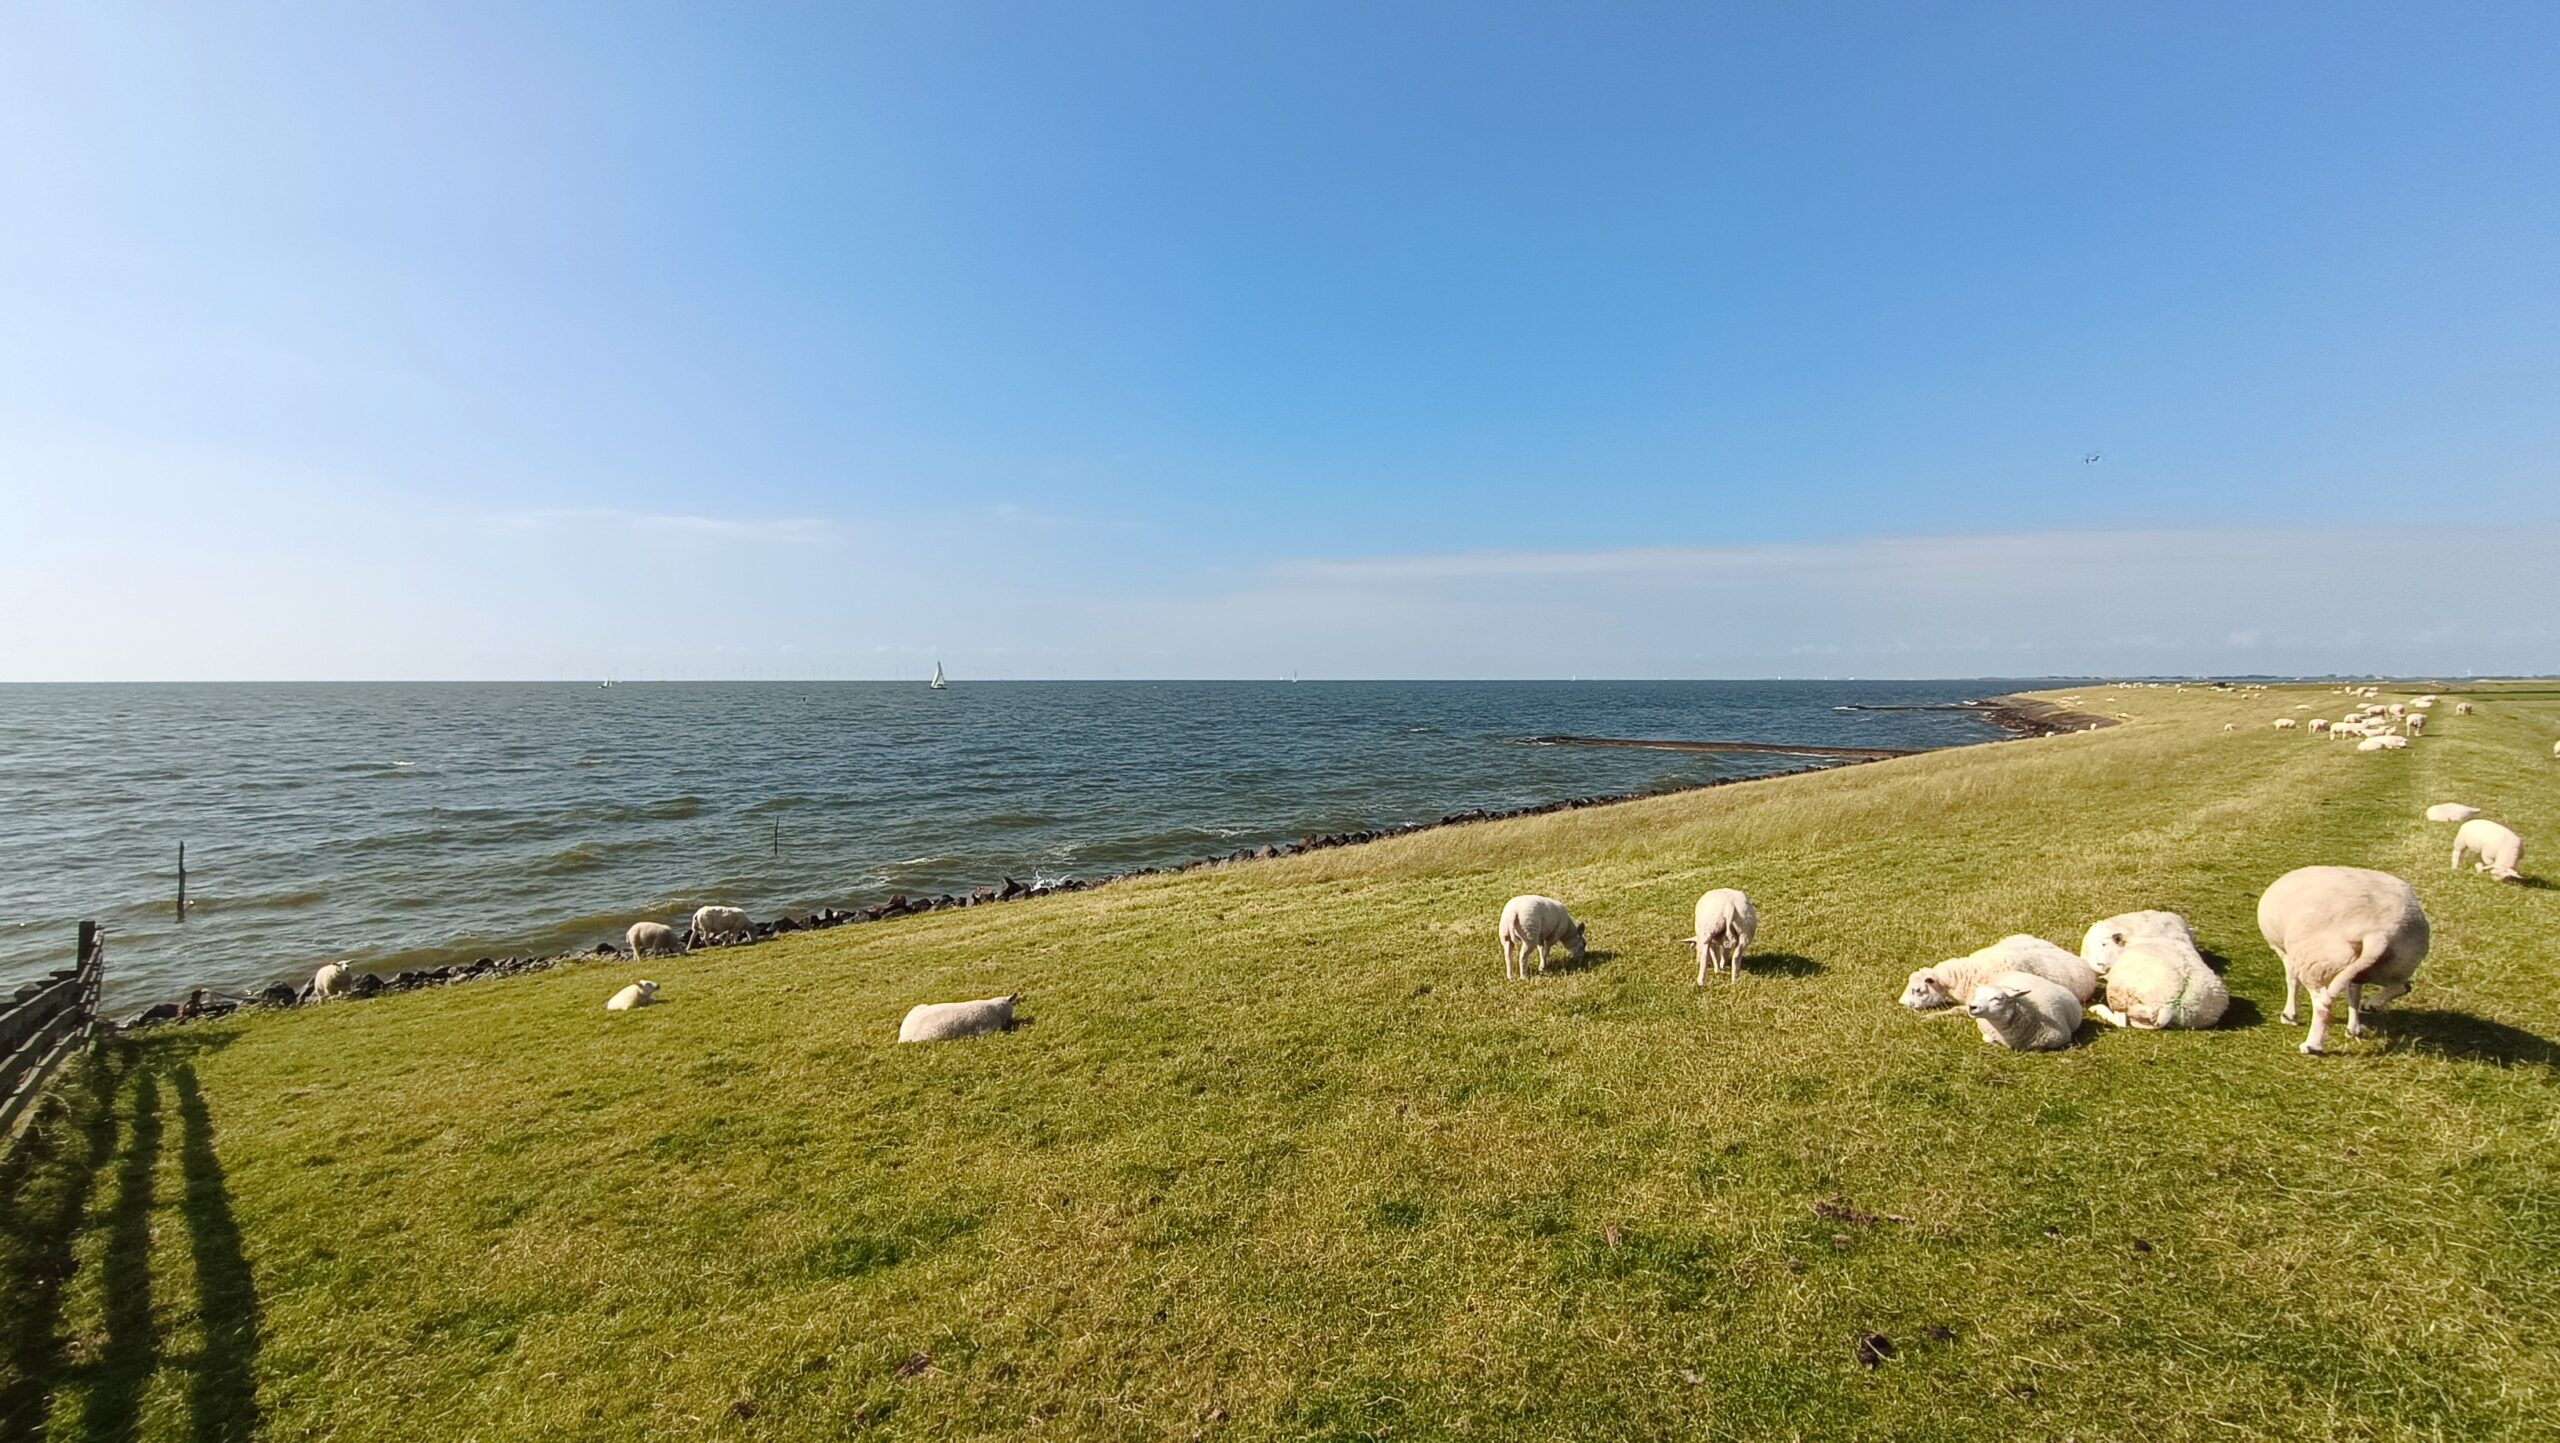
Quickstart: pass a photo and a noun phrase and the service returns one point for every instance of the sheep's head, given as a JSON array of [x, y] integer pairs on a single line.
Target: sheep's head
[[1575, 941], [2379, 995], [2504, 873], [1994, 1003], [1926, 993], [648, 990]]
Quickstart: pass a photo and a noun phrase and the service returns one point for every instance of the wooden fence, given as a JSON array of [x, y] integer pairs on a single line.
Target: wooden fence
[[46, 1024]]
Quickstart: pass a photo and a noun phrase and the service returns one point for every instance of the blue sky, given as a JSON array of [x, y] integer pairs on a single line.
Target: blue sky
[[1211, 340]]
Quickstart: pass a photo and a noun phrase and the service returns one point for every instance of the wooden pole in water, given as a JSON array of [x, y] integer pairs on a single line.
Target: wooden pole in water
[[182, 881]]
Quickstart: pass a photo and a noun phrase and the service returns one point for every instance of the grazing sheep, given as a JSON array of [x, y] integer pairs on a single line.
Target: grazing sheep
[[2106, 939], [2343, 929], [2382, 744], [2286, 723], [713, 925], [2499, 848], [2451, 812], [1955, 979], [2231, 726], [2162, 984], [1726, 923], [2319, 724], [654, 939], [2397, 711], [942, 1021], [2462, 708], [2025, 1013], [1540, 922], [638, 994], [330, 980], [2417, 723]]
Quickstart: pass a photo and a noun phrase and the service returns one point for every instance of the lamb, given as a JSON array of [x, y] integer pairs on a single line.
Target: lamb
[[638, 994], [2451, 812], [1726, 923], [2162, 984], [2286, 723], [2341, 930], [1540, 922], [2499, 848], [654, 939], [2231, 726], [2319, 724], [718, 924], [2397, 711], [2417, 723], [1953, 980], [943, 1021], [2106, 939], [330, 980], [2025, 1013], [2462, 708]]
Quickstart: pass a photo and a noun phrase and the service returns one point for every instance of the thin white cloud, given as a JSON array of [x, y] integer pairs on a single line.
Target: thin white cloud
[[800, 530]]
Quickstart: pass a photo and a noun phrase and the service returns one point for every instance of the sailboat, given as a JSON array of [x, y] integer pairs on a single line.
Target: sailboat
[[938, 683]]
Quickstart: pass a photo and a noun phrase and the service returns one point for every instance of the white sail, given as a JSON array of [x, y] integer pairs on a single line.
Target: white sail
[[937, 676]]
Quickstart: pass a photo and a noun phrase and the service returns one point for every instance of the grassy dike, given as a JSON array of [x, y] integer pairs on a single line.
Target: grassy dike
[[1283, 1156]]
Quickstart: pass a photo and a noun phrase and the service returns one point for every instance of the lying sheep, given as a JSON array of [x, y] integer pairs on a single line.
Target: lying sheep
[[714, 925], [2499, 848], [1726, 923], [2231, 726], [2462, 708], [1955, 979], [2286, 724], [1540, 922], [2397, 711], [2025, 1013], [2382, 744], [330, 980], [2341, 930], [638, 994], [2555, 749], [2451, 812], [2105, 939], [942, 1021], [654, 939], [2163, 984]]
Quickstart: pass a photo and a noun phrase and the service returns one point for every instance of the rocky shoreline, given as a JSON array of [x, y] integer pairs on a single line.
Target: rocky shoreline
[[2021, 717]]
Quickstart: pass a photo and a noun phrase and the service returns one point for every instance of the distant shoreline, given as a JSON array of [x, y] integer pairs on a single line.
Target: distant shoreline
[[2022, 717]]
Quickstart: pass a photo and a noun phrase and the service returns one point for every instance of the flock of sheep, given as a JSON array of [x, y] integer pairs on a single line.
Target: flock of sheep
[[2339, 931]]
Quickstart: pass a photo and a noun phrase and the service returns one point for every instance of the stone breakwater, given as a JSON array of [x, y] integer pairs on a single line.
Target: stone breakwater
[[2022, 717]]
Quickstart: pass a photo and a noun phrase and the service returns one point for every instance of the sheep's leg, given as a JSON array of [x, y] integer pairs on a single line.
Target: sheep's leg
[[2355, 1010], [2290, 1016], [1542, 961], [1706, 963], [2318, 1042]]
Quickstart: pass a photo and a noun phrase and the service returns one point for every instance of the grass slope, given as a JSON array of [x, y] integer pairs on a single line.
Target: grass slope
[[1283, 1156]]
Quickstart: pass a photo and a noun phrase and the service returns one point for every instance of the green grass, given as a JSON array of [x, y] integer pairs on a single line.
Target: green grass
[[1283, 1156]]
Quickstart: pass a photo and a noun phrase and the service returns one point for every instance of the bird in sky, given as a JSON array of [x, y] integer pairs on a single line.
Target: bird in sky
[[2090, 459]]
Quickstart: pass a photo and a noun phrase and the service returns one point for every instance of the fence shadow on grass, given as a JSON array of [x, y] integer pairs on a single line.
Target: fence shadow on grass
[[44, 1191], [96, 1166]]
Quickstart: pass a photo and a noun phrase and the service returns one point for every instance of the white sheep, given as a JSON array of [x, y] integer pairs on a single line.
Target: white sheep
[[2286, 723], [2231, 726], [2162, 983], [2319, 724], [1955, 979], [2025, 1013], [638, 994], [1540, 922], [2397, 711], [2382, 744], [2451, 812], [2417, 723], [654, 939], [942, 1021], [2499, 848], [713, 925], [2462, 708], [330, 980], [2555, 749], [1726, 923], [2105, 939], [2423, 703], [2342, 930]]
